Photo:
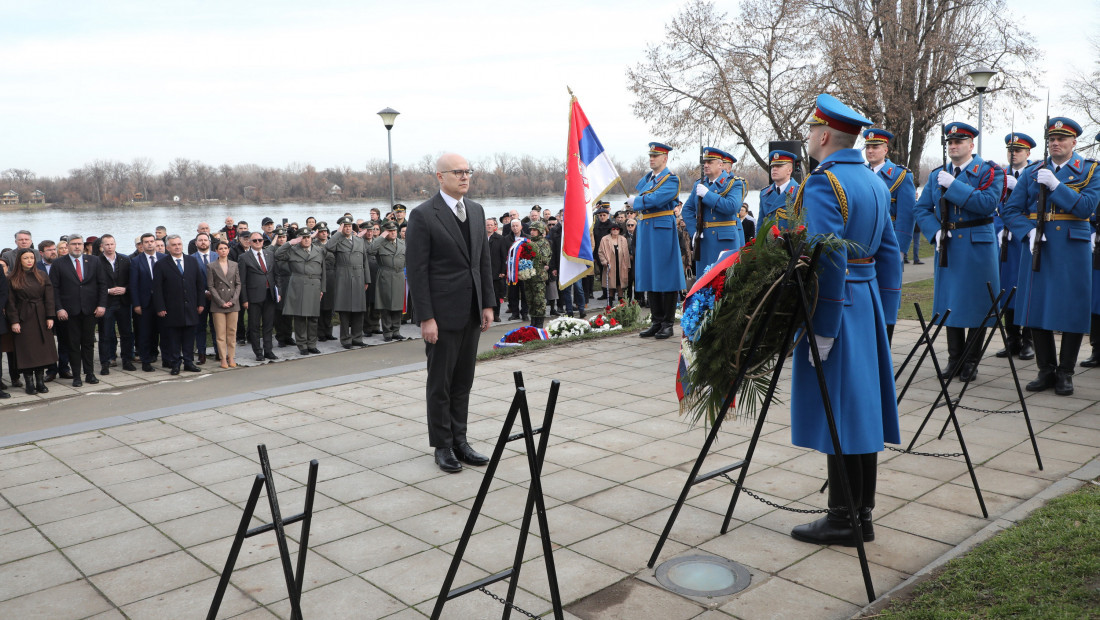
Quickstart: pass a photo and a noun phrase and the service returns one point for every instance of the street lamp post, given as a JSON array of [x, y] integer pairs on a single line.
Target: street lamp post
[[981, 78], [389, 115]]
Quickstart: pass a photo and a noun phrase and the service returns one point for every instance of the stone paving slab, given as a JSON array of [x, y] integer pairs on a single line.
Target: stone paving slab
[[135, 520]]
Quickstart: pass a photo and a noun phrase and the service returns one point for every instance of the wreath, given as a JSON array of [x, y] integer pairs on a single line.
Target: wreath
[[520, 336]]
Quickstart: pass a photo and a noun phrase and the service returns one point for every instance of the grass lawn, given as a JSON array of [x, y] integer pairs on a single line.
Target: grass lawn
[[1047, 566], [916, 292]]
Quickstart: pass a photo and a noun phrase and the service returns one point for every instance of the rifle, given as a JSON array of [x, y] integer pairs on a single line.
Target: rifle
[[945, 215], [1004, 231], [1044, 196], [700, 221]]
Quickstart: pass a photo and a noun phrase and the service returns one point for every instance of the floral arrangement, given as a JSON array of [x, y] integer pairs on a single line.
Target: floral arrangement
[[518, 337], [565, 327], [603, 323], [724, 311], [526, 261], [627, 313]]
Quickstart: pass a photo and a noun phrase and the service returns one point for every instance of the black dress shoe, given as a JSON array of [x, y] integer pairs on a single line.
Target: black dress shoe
[[50, 376], [314, 350], [347, 346], [191, 368], [358, 343], [832, 529], [259, 357], [147, 367], [468, 455], [918, 262], [1027, 352], [128, 365], [78, 383], [1044, 381], [398, 337], [969, 371], [496, 319], [445, 458], [665, 332], [1063, 383], [105, 369], [651, 331], [387, 338], [175, 371], [1092, 362], [270, 356], [303, 351], [91, 378], [1003, 353], [65, 374], [513, 317]]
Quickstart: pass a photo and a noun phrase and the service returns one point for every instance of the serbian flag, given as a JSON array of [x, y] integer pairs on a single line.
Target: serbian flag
[[589, 175]]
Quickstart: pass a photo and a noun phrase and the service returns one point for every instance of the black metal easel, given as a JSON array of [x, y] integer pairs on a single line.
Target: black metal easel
[[792, 277], [294, 578], [535, 501]]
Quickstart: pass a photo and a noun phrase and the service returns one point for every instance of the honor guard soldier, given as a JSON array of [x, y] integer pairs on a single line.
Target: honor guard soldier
[[1094, 326], [1072, 188], [714, 202], [777, 197], [657, 264], [898, 180], [972, 188], [1019, 148], [860, 290]]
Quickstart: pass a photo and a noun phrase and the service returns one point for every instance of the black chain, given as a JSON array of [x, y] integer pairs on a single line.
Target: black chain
[[941, 455], [975, 409], [773, 504], [507, 604]]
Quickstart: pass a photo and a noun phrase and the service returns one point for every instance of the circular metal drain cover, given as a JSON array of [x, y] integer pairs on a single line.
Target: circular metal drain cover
[[703, 576]]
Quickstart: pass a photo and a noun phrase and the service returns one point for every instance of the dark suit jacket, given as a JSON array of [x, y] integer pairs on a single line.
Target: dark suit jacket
[[254, 282], [212, 256], [74, 295], [118, 276], [447, 279], [178, 294], [141, 281], [498, 255]]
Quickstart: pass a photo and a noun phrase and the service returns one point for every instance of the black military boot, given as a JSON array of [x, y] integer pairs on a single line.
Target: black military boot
[[1012, 334], [869, 473], [39, 382], [969, 370], [1067, 359], [1027, 350], [956, 343], [669, 302], [1094, 339], [656, 309], [1045, 360], [28, 382], [835, 528]]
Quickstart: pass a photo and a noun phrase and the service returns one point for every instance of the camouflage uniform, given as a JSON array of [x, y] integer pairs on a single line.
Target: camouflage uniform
[[535, 287]]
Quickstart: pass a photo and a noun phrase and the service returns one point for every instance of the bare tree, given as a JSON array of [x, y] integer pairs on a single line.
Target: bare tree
[[141, 169], [1084, 88]]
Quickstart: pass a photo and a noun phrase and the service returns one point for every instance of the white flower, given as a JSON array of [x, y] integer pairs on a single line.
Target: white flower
[[566, 327]]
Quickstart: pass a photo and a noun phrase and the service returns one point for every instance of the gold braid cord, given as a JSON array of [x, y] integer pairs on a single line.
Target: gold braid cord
[[1077, 187], [797, 206], [897, 184], [840, 197]]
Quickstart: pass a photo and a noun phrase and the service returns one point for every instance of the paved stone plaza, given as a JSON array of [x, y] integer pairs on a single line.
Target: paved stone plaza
[[136, 520]]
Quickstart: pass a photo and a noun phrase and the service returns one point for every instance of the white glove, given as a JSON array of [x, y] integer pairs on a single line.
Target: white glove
[[1046, 177], [1030, 240], [824, 346], [1092, 242], [701, 190], [630, 200], [936, 239], [945, 178], [1010, 181]]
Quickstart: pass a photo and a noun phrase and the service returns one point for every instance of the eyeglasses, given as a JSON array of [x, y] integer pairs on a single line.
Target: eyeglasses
[[461, 173], [257, 240]]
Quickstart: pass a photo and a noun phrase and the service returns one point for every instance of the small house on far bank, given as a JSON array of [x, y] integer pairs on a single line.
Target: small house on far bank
[[10, 197], [335, 190], [38, 197], [138, 196], [249, 191]]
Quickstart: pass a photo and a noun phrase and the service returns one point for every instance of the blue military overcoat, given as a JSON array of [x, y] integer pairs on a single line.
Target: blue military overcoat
[[1052, 298], [1010, 266], [903, 195], [720, 208], [774, 203], [657, 266], [972, 250], [860, 289]]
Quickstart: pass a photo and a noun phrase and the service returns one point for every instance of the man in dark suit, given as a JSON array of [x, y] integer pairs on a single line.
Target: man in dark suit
[[451, 284], [498, 258], [80, 297], [259, 294], [116, 279], [141, 296], [204, 256], [179, 296]]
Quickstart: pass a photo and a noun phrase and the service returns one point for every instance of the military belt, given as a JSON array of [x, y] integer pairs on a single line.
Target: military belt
[[1058, 217], [969, 223], [718, 224], [861, 261], [646, 216]]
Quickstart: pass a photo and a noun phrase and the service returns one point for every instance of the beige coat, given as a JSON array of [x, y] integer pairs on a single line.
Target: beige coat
[[611, 279], [223, 288]]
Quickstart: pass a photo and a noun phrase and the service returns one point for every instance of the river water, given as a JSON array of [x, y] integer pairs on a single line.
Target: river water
[[126, 223]]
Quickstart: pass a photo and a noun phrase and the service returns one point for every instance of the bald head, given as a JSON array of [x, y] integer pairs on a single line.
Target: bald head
[[454, 175], [450, 161]]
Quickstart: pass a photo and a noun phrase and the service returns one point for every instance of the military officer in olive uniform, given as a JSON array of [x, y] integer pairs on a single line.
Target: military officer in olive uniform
[[352, 280], [284, 326], [535, 286], [718, 197], [973, 189], [775, 198], [1052, 298], [324, 322], [389, 288], [305, 286], [657, 264]]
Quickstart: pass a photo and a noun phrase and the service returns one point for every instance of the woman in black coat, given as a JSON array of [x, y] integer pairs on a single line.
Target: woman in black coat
[[30, 314]]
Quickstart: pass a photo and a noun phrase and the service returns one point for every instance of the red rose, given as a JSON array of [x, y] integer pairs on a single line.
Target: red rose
[[599, 321], [614, 322], [774, 232]]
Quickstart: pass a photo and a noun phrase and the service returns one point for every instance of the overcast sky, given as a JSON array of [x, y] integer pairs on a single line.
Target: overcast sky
[[277, 81]]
